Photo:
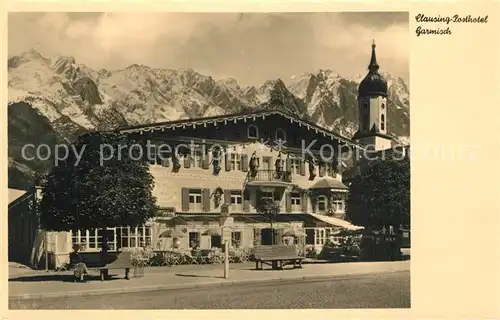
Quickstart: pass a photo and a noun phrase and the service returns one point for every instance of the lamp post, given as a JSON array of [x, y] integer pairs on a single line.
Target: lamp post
[[226, 222], [226, 259]]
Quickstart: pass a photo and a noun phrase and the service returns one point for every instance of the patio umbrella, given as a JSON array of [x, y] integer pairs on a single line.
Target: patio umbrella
[[171, 234], [212, 232], [294, 233]]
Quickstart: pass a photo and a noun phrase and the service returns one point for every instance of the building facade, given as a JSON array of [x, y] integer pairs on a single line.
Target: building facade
[[22, 224], [230, 167]]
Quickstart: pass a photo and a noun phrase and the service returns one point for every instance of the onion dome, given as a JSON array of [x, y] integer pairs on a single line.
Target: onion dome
[[374, 83]]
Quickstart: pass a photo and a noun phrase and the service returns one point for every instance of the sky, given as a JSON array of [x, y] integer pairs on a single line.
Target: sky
[[249, 47]]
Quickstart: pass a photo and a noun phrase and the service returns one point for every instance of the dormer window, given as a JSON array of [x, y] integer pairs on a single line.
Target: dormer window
[[280, 135], [253, 132]]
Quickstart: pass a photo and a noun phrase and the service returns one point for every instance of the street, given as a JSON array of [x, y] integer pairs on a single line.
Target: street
[[383, 290]]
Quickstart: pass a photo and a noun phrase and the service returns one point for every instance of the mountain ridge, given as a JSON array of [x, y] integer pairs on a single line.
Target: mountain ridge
[[71, 98]]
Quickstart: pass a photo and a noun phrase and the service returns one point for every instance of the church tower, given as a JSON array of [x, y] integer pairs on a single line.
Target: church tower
[[372, 105]]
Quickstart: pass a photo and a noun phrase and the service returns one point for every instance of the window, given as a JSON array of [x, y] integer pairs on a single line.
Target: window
[[382, 105], [280, 135], [295, 165], [236, 238], [236, 201], [365, 104], [320, 236], [194, 239], [275, 196], [338, 205], [197, 159], [265, 196], [253, 132], [133, 237], [235, 161], [91, 240], [295, 201], [266, 163], [382, 122], [322, 203], [194, 199]]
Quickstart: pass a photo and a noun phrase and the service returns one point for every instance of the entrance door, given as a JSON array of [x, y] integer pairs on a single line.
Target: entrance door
[[267, 236], [216, 241]]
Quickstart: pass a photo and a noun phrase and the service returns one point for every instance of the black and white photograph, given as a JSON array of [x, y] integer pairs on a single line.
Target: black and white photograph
[[203, 160]]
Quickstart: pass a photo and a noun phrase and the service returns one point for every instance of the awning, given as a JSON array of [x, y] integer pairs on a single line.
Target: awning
[[336, 222], [329, 183]]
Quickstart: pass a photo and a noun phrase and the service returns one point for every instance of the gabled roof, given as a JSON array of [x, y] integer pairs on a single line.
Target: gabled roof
[[16, 196], [235, 117]]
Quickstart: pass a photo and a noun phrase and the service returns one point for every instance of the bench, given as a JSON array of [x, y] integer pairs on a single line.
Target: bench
[[114, 260], [278, 255]]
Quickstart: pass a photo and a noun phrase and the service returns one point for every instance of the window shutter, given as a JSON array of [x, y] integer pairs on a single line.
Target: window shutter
[[246, 200], [227, 196], [228, 162], [205, 198], [205, 164], [185, 199], [288, 202], [187, 161], [246, 205], [322, 167], [302, 168], [335, 163], [244, 162], [314, 201], [165, 162], [303, 202], [288, 165], [338, 168]]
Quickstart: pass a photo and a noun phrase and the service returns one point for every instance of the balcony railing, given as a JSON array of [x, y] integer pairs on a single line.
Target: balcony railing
[[269, 175]]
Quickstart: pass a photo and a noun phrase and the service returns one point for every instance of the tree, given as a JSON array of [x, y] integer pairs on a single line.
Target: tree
[[270, 209], [91, 192], [379, 196]]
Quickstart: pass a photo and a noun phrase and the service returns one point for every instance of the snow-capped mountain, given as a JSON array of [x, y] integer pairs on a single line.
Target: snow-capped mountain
[[65, 98]]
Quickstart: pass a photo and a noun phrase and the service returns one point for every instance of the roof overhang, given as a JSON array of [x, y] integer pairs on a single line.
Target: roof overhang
[[235, 118], [336, 222]]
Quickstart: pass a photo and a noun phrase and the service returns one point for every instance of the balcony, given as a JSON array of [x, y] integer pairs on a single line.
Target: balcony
[[269, 178]]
